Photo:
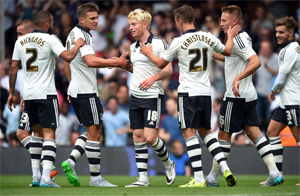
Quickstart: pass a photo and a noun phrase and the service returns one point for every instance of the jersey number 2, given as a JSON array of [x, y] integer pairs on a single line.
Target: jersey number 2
[[197, 58], [32, 59]]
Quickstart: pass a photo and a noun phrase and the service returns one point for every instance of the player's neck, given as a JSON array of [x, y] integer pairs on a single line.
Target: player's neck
[[43, 29], [143, 38], [186, 27], [84, 26]]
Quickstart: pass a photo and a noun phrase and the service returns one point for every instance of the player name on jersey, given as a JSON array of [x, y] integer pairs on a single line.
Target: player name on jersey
[[34, 39], [195, 38]]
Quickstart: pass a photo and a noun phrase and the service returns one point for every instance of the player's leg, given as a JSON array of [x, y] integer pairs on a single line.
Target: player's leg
[[141, 151], [162, 152], [264, 149], [224, 140]]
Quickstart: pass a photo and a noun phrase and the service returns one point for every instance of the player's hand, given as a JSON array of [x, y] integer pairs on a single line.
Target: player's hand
[[146, 50], [81, 42], [22, 105], [235, 88], [146, 84], [272, 95], [233, 31], [68, 98], [11, 101], [123, 62]]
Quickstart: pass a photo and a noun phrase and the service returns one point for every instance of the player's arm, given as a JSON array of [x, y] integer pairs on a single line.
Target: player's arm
[[278, 84], [96, 62], [218, 56], [69, 55], [158, 62], [231, 33], [166, 72], [12, 82], [254, 64], [67, 70]]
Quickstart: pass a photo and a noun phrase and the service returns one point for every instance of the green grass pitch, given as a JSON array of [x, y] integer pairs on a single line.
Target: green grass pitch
[[247, 185]]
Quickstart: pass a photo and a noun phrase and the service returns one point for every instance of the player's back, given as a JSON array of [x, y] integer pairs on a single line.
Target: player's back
[[194, 51], [37, 52], [83, 78], [236, 64], [289, 63]]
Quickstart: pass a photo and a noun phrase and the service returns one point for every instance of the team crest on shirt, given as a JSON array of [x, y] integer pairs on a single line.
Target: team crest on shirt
[[134, 50]]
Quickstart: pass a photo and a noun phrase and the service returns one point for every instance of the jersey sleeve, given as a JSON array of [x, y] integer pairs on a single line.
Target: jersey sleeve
[[16, 55], [171, 52], [218, 46], [286, 61], [243, 47], [56, 45], [163, 47]]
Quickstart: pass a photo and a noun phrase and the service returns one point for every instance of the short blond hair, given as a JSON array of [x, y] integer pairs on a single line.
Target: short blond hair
[[233, 10], [141, 16], [289, 22]]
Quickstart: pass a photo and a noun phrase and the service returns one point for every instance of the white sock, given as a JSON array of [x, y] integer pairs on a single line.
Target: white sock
[[95, 178], [72, 162], [143, 178], [36, 172], [274, 172], [46, 174]]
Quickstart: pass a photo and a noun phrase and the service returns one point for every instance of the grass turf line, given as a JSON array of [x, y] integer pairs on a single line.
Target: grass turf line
[[247, 185]]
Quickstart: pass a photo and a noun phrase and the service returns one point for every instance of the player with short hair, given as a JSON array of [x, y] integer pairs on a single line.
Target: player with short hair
[[146, 95], [238, 109], [83, 94], [24, 132], [194, 50], [37, 51], [287, 82]]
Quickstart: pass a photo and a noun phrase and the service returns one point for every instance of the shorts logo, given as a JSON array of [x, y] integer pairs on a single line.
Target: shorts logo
[[151, 123], [21, 124]]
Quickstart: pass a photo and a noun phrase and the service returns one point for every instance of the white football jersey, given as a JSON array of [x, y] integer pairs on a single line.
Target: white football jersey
[[236, 64], [194, 51], [37, 51], [289, 64], [83, 78], [143, 68]]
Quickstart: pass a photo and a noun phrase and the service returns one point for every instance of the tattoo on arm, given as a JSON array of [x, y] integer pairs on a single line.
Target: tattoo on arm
[[12, 82]]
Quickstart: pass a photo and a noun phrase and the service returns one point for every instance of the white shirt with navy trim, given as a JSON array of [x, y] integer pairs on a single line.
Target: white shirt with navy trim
[[289, 64], [143, 68], [83, 78], [236, 64], [194, 50], [37, 52]]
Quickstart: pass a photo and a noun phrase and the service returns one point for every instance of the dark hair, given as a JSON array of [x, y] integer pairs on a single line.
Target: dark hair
[[289, 22], [42, 17], [28, 25], [185, 13], [112, 97], [87, 7]]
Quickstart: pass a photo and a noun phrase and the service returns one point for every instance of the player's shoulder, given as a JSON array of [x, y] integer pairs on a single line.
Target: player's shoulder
[[156, 41], [81, 32], [289, 48], [242, 39]]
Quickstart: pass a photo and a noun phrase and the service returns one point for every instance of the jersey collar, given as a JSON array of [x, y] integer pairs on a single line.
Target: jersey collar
[[149, 40], [83, 29], [241, 31], [287, 43], [38, 31], [191, 31]]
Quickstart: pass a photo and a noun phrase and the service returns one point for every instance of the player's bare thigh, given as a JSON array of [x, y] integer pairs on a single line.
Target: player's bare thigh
[[138, 136], [296, 133], [275, 128], [189, 132], [94, 132]]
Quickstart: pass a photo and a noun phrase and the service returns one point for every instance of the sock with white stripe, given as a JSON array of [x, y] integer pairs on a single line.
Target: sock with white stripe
[[194, 152], [141, 158], [78, 149], [36, 146], [49, 155], [162, 152], [216, 168], [277, 151], [93, 154], [215, 150], [26, 142], [264, 149]]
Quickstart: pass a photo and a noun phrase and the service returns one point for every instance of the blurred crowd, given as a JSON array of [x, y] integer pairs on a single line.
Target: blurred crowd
[[112, 38]]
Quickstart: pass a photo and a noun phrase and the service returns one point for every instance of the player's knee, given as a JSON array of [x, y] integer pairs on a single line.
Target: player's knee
[[21, 134], [151, 140]]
